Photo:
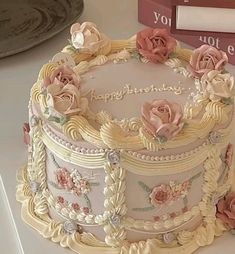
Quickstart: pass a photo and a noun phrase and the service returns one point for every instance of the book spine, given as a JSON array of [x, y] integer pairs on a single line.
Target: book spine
[[153, 14]]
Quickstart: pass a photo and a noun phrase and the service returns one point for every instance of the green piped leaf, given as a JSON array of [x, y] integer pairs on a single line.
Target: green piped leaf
[[46, 111], [161, 139], [228, 101], [54, 119], [173, 55], [94, 184], [63, 120], [225, 71], [44, 92], [145, 187], [55, 185], [186, 124], [136, 55], [71, 47], [143, 209], [60, 120], [232, 232], [88, 202], [185, 200]]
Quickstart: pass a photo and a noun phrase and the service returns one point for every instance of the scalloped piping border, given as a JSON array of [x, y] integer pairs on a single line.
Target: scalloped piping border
[[143, 157], [131, 163]]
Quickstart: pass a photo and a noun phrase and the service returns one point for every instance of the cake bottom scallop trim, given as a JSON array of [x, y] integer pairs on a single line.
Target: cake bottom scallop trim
[[86, 243]]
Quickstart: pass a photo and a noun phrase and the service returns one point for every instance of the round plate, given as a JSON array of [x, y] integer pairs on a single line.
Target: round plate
[[24, 24]]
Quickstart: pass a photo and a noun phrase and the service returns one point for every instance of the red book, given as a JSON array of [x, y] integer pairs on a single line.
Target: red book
[[157, 14]]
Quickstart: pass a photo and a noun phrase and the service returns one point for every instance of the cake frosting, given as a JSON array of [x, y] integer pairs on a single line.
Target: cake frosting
[[129, 145]]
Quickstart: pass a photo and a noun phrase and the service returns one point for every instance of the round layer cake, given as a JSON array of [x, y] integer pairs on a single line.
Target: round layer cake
[[129, 145]]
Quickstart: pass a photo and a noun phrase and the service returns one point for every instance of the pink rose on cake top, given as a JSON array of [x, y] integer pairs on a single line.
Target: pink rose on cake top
[[87, 38], [162, 119], [62, 95], [205, 59], [155, 44], [226, 210], [62, 76], [218, 85]]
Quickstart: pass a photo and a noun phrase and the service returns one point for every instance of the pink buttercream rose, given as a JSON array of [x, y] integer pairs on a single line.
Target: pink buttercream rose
[[87, 38], [61, 200], [64, 179], [65, 100], [162, 118], [76, 207], [26, 130], [155, 44], [85, 210], [62, 76], [218, 85], [229, 155], [160, 195], [205, 59], [226, 210]]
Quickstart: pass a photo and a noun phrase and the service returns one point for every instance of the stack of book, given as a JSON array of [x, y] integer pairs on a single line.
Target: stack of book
[[157, 14]]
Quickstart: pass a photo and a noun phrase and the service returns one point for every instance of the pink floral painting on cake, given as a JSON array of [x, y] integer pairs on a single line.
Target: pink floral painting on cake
[[74, 182], [162, 119], [226, 210], [155, 44], [63, 179], [165, 194], [207, 58], [160, 195]]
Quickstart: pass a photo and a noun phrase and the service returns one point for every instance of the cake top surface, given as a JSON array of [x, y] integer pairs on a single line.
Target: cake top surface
[[142, 93], [122, 88]]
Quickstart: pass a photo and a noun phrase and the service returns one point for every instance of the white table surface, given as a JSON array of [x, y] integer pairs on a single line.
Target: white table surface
[[118, 19]]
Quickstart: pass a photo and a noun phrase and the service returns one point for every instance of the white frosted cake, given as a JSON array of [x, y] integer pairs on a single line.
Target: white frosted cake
[[129, 145]]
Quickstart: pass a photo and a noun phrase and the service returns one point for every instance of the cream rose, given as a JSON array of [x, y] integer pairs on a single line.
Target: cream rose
[[218, 85], [65, 101], [87, 38]]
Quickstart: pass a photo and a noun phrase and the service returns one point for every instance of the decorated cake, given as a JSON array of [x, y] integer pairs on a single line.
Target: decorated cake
[[129, 145]]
